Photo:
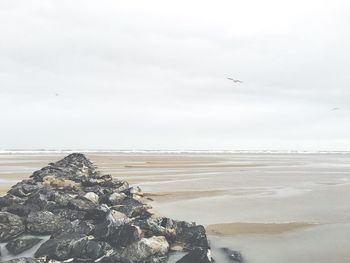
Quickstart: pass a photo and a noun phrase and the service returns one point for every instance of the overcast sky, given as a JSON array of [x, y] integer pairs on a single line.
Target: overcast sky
[[153, 74]]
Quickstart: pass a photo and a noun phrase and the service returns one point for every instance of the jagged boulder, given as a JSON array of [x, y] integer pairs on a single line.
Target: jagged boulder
[[198, 255], [44, 223], [23, 260], [19, 245], [90, 217], [73, 246], [143, 250], [10, 226]]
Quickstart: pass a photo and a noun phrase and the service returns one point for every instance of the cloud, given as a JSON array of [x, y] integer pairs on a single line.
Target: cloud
[[137, 74]]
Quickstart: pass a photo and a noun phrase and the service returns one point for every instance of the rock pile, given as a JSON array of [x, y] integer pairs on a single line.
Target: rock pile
[[91, 217]]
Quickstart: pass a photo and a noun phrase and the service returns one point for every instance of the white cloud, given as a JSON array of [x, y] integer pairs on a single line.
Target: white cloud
[[152, 74]]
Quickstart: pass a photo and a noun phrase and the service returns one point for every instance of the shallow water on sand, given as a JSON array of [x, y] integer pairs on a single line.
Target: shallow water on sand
[[248, 188]]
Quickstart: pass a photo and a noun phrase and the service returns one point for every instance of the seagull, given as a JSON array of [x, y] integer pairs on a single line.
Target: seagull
[[336, 108], [235, 80], [56, 94]]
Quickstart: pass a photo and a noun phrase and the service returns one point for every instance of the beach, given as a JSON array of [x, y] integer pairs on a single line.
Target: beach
[[273, 207]]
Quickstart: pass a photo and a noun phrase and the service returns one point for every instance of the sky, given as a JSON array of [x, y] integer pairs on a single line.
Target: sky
[[153, 74]]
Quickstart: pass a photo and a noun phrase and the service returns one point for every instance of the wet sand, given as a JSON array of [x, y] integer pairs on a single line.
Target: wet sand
[[233, 229], [180, 195], [260, 194]]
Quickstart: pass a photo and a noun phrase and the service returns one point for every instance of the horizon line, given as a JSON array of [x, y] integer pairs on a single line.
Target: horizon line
[[101, 150]]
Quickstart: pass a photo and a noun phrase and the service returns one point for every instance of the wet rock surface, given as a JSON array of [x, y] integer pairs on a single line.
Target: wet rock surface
[[19, 245], [10, 226], [91, 217], [233, 255]]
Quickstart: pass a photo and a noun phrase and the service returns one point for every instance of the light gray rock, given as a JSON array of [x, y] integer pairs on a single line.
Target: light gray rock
[[142, 250]]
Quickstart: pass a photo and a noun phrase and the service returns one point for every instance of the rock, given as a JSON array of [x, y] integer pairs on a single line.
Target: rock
[[24, 188], [58, 249], [153, 227], [133, 191], [98, 213], [104, 230], [233, 255], [193, 236], [141, 250], [23, 260], [81, 204], [198, 255], [10, 226], [21, 244], [124, 235], [41, 200], [89, 249], [10, 200], [44, 223], [79, 247], [92, 197], [132, 208], [69, 214], [117, 215], [116, 198], [20, 209], [90, 217], [75, 228], [73, 167]]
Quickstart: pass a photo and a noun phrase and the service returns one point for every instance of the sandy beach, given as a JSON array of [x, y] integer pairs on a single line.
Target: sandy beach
[[271, 207]]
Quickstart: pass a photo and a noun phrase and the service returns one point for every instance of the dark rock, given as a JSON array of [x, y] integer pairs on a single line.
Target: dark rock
[[81, 204], [89, 249], [58, 249], [23, 260], [124, 235], [233, 255], [73, 167], [24, 188], [21, 244], [104, 230], [69, 214], [40, 200], [193, 236], [10, 226], [20, 209], [133, 208], [62, 199], [98, 213], [44, 222], [73, 247], [76, 227], [10, 200], [198, 255], [91, 217]]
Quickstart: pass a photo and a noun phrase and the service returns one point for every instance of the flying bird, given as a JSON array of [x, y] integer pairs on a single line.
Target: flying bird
[[235, 80], [336, 108]]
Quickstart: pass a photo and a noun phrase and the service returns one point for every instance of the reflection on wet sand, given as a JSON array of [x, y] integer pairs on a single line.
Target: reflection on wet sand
[[260, 194]]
